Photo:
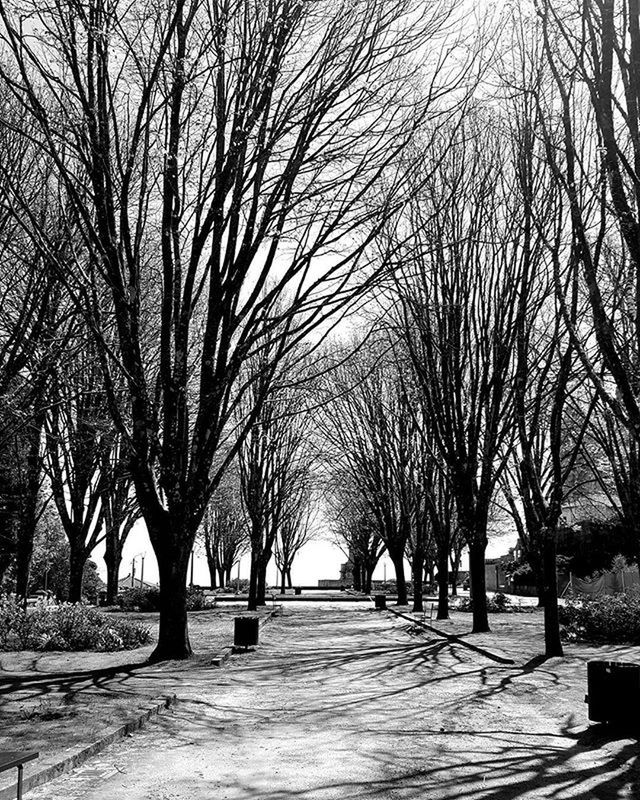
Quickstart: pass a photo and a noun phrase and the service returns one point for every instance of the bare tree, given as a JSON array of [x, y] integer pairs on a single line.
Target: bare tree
[[372, 436], [354, 526], [457, 289], [77, 444], [119, 506], [206, 148], [296, 529], [590, 52], [225, 530]]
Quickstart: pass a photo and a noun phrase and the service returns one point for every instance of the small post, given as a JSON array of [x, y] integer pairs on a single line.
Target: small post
[[142, 572], [133, 572], [19, 795], [238, 579]]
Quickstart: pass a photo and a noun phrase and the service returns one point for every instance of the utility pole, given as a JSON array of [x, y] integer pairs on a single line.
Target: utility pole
[[133, 572], [191, 584], [142, 571]]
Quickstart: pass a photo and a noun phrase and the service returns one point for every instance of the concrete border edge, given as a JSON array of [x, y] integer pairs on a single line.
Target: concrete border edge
[[452, 638], [81, 756]]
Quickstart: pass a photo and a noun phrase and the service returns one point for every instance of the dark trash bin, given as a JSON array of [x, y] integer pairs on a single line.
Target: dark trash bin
[[246, 631], [381, 601], [297, 590], [613, 692]]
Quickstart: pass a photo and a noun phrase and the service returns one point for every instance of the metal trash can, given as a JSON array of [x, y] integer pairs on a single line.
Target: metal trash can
[[613, 692], [381, 601], [246, 631], [297, 590]]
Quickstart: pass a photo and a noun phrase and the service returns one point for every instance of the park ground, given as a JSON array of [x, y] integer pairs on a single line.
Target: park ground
[[338, 701]]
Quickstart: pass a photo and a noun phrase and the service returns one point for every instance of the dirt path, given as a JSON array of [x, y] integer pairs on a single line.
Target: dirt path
[[343, 703]]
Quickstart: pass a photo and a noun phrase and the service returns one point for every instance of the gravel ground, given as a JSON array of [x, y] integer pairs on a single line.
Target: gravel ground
[[56, 702], [347, 703]]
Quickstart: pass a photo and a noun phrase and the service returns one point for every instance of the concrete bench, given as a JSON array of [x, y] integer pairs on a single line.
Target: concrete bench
[[16, 758]]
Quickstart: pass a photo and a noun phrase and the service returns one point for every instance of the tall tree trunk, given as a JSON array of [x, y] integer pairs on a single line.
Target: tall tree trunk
[[417, 563], [173, 634], [29, 506], [112, 560], [252, 603], [401, 584], [289, 579], [77, 560], [283, 578], [443, 580], [213, 573], [453, 573], [478, 587], [227, 577], [263, 563], [368, 573], [552, 643], [221, 576], [357, 575]]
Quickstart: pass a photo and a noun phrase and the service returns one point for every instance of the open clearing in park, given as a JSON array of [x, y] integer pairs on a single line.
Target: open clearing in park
[[340, 701]]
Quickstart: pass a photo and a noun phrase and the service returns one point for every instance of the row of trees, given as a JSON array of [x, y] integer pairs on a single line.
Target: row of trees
[[512, 297], [199, 192]]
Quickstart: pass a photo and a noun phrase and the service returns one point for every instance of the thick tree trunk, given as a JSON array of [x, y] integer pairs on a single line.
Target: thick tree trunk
[[213, 570], [417, 563], [289, 579], [453, 574], [173, 634], [227, 578], [112, 560], [113, 569], [357, 575], [77, 560], [552, 643], [29, 508], [221, 577], [401, 584], [478, 587], [283, 579], [443, 581], [367, 580]]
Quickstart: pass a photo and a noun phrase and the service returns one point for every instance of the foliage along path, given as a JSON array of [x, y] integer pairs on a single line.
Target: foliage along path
[[345, 703]]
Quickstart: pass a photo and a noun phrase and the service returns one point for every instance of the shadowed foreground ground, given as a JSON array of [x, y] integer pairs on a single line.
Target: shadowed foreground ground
[[344, 703]]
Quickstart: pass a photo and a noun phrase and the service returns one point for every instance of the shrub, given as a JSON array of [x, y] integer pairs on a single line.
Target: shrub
[[611, 619], [68, 626], [197, 600], [140, 599], [149, 600], [498, 604]]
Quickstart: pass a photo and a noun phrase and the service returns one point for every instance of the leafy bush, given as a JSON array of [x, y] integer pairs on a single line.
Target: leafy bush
[[68, 626], [149, 600], [197, 600], [498, 604], [140, 599], [611, 619]]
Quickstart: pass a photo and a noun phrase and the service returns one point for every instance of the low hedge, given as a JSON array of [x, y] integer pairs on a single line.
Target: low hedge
[[67, 626], [611, 619], [498, 604], [149, 600]]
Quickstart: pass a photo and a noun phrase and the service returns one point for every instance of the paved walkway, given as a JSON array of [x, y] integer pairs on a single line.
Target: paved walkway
[[345, 703]]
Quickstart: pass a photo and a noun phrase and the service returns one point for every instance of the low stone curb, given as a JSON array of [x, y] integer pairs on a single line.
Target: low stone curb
[[453, 638], [79, 757]]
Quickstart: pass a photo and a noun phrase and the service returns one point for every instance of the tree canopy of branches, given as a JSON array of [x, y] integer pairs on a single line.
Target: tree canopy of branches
[[457, 292], [205, 149], [224, 530]]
